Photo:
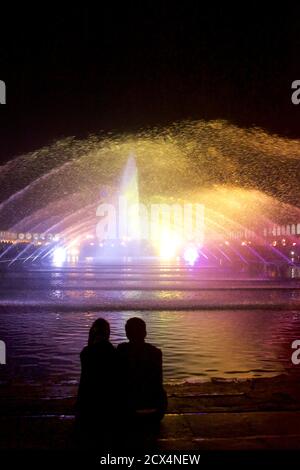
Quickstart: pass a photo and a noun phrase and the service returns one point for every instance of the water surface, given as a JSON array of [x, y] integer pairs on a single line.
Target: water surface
[[207, 324]]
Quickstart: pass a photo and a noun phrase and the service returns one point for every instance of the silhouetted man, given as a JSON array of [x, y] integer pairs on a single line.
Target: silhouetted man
[[141, 369], [96, 403]]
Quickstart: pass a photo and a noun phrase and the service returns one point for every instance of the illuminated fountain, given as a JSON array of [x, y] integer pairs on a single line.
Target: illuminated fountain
[[129, 191], [247, 180]]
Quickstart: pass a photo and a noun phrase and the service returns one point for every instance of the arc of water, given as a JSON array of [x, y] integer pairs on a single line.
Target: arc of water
[[30, 186]]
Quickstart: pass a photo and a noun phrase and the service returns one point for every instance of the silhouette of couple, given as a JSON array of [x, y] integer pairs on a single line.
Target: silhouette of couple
[[121, 395]]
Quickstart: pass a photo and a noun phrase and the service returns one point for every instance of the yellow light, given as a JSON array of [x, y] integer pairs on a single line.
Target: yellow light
[[167, 250]]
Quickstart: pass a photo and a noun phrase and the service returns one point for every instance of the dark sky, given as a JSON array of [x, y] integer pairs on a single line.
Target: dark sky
[[78, 70]]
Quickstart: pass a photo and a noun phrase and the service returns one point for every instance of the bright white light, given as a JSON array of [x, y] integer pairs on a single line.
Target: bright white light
[[168, 245], [73, 251], [59, 256], [190, 254]]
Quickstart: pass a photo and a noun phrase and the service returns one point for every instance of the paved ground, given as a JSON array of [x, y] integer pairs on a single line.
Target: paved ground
[[260, 414]]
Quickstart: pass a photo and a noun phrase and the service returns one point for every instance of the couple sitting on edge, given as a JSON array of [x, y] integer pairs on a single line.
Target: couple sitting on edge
[[120, 388]]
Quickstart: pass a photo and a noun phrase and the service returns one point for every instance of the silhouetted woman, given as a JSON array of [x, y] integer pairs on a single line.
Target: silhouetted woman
[[96, 403]]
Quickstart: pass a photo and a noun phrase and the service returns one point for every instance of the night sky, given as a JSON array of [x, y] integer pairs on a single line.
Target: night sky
[[78, 70]]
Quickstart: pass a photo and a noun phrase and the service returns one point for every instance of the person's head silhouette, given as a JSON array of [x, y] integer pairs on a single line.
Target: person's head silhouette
[[136, 330], [99, 331]]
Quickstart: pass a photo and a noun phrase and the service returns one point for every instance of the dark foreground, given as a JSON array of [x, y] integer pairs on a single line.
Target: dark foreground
[[218, 415]]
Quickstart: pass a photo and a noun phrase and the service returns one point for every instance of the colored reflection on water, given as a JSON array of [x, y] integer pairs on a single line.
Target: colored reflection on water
[[44, 333]]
